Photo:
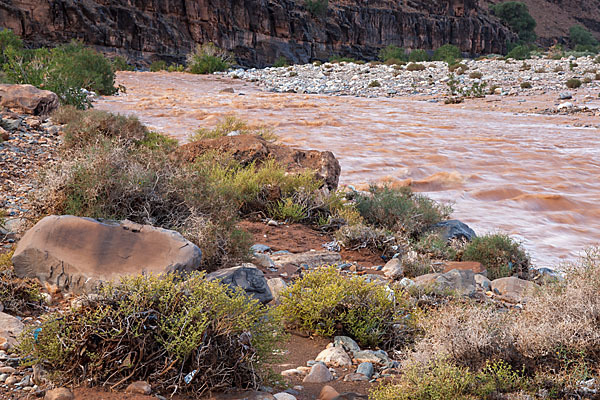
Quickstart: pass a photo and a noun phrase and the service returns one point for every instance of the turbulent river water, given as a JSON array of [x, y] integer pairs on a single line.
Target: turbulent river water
[[532, 176]]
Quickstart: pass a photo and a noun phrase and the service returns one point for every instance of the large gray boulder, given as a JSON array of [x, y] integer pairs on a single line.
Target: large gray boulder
[[75, 254], [27, 99], [246, 276]]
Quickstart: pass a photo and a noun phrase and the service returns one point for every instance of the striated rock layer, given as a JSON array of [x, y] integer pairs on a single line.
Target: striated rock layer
[[257, 31]]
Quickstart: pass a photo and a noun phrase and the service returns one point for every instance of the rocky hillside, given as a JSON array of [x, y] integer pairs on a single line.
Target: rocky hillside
[[257, 31]]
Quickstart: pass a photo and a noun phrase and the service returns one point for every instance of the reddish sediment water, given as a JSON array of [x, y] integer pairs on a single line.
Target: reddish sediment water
[[532, 176]]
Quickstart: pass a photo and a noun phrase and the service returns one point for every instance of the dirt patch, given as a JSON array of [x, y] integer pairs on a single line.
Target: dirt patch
[[295, 238]]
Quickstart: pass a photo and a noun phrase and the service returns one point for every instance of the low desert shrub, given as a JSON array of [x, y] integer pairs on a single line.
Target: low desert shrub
[[448, 53], [573, 83], [435, 246], [233, 124], [327, 303], [183, 336], [526, 85], [418, 56], [360, 236], [158, 65], [281, 62], [392, 52], [207, 59], [374, 84], [475, 75], [18, 296], [499, 254], [459, 68], [288, 210], [522, 52], [119, 63], [400, 210], [415, 67]]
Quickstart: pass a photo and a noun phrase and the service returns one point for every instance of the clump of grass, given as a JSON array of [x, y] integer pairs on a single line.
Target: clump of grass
[[374, 84], [281, 62], [326, 303], [458, 69], [185, 337], [435, 246], [207, 59], [18, 296], [418, 56], [499, 254], [400, 210], [558, 68], [475, 75], [232, 124], [360, 236], [288, 210], [573, 83], [158, 65], [526, 85], [120, 63], [415, 67]]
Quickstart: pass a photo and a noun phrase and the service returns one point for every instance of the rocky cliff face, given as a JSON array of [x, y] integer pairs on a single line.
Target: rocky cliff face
[[257, 31]]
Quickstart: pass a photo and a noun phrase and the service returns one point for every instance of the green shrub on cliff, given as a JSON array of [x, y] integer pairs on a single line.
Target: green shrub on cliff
[[516, 15], [208, 59], [317, 7], [327, 303], [582, 39], [184, 336], [499, 254]]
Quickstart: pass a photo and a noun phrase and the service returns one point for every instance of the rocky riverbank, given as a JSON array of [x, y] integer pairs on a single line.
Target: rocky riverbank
[[429, 79]]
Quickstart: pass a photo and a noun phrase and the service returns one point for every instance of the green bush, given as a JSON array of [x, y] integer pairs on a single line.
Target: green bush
[[520, 53], [374, 84], [288, 210], [418, 56], [400, 210], [233, 124], [65, 70], [359, 236], [579, 36], [158, 65], [208, 59], [281, 62], [441, 380], [317, 7], [120, 63], [392, 52], [573, 83], [448, 53], [8, 40], [186, 336], [435, 246], [499, 254], [326, 303], [516, 15], [415, 67]]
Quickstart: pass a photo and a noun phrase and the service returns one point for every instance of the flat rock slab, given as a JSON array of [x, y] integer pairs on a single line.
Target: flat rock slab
[[248, 277], [10, 328], [309, 259], [75, 254], [28, 99]]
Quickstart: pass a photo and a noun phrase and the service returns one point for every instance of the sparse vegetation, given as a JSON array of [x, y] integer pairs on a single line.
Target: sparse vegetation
[[393, 52], [232, 124], [415, 67], [499, 254], [475, 75], [18, 296], [526, 85], [208, 59], [281, 62], [158, 65], [418, 56], [374, 84], [448, 53], [582, 39], [522, 52], [186, 336], [400, 210], [573, 83], [327, 303], [120, 64], [317, 7]]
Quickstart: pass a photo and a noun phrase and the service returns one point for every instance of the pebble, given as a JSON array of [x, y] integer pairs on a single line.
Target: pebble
[[284, 396], [139, 387]]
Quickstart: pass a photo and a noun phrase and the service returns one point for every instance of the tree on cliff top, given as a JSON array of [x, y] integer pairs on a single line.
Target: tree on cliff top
[[516, 15]]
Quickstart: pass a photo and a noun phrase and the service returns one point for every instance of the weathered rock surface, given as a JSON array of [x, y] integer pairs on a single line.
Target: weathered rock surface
[[257, 31], [139, 387], [334, 357], [248, 277], [276, 285], [514, 289], [248, 149], [393, 269], [74, 254], [462, 282], [318, 374], [27, 99], [10, 328], [59, 394], [309, 259]]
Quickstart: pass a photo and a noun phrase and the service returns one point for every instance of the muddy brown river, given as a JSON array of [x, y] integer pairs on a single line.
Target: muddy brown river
[[533, 176]]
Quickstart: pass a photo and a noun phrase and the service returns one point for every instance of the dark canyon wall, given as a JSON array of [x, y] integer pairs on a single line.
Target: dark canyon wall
[[257, 31]]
